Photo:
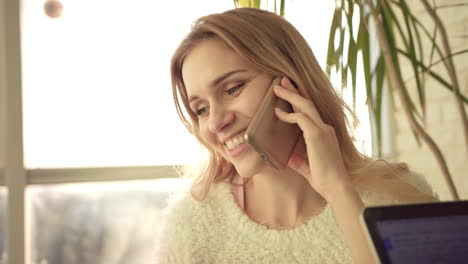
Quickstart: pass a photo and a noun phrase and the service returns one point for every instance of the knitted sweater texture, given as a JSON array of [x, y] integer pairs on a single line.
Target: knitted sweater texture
[[216, 230]]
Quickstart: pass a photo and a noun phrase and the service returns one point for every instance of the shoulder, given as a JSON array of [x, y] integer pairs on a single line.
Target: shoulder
[[411, 187], [172, 227], [183, 212], [419, 182], [185, 222], [183, 204]]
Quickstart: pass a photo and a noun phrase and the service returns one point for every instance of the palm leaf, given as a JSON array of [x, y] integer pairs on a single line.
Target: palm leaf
[[282, 8], [413, 58], [388, 22], [380, 77], [332, 52], [437, 77], [256, 3], [352, 66]]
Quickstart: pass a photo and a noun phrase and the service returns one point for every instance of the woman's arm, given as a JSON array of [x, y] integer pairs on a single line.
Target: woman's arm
[[324, 169], [348, 207]]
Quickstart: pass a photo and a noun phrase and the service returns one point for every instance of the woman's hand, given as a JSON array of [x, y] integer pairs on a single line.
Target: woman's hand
[[325, 169]]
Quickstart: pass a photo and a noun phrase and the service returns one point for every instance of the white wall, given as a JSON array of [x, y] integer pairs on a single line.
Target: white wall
[[2, 86], [443, 122]]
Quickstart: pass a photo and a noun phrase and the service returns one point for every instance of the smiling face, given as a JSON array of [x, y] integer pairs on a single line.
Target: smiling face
[[224, 92]]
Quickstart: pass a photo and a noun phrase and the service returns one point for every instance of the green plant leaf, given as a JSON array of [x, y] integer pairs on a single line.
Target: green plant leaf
[[332, 53], [420, 56], [412, 52], [352, 66], [242, 3], [282, 8], [363, 47], [256, 3], [451, 5], [393, 18], [387, 25], [437, 77], [349, 17], [379, 85], [339, 50]]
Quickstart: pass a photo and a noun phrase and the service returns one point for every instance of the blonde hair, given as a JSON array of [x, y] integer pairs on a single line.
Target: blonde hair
[[274, 46]]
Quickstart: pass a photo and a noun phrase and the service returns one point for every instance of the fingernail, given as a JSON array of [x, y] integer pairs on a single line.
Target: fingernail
[[278, 87], [290, 82]]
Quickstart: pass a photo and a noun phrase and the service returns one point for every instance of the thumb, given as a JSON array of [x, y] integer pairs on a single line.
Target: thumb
[[299, 164]]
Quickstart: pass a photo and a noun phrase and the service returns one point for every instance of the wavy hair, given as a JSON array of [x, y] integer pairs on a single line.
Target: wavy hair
[[274, 46]]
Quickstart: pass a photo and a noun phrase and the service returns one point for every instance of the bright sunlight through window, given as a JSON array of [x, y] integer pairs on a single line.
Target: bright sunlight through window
[[97, 85]]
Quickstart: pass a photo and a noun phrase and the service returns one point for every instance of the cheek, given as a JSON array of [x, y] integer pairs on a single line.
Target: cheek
[[206, 134], [210, 140], [251, 105]]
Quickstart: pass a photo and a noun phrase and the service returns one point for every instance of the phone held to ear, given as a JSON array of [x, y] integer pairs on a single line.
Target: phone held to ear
[[272, 138]]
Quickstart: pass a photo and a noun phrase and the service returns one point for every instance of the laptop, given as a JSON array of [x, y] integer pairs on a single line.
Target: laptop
[[418, 233]]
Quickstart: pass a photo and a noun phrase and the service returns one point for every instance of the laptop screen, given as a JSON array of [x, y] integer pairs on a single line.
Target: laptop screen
[[426, 240], [419, 233]]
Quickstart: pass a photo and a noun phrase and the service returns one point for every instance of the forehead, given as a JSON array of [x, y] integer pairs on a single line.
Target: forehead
[[207, 61]]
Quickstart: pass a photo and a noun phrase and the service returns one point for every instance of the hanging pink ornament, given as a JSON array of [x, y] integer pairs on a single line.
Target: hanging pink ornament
[[53, 8]]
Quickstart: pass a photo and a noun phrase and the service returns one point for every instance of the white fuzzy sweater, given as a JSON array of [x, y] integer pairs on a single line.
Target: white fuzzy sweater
[[218, 231]]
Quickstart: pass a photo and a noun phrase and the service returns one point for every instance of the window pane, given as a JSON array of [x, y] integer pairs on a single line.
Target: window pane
[[96, 82], [97, 223], [97, 90], [3, 217]]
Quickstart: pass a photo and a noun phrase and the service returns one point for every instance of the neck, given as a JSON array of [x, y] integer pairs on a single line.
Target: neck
[[281, 199]]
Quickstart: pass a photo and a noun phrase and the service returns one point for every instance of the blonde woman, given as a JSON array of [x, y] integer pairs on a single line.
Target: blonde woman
[[238, 209]]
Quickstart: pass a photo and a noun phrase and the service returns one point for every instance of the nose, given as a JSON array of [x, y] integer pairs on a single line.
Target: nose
[[220, 118]]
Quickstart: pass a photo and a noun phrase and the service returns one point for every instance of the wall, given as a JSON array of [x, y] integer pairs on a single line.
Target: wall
[[2, 86], [443, 119]]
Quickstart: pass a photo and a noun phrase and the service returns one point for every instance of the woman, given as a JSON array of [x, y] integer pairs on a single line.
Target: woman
[[239, 209]]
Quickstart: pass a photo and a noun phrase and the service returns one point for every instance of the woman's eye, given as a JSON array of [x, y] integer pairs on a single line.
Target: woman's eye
[[234, 89], [201, 111]]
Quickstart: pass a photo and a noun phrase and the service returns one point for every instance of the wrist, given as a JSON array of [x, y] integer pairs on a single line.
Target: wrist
[[342, 192]]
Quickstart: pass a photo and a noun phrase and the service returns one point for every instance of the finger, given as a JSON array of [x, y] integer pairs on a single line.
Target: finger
[[299, 164], [306, 124], [300, 104], [286, 83]]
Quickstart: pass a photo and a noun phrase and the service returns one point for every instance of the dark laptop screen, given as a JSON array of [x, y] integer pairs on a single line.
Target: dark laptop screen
[[442, 239]]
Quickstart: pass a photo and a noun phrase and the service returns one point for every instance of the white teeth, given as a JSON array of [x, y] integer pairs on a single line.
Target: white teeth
[[235, 142]]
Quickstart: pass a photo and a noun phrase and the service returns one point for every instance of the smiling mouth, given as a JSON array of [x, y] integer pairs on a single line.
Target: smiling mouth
[[235, 142]]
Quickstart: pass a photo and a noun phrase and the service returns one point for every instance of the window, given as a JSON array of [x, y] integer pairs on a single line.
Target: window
[[113, 222], [97, 90]]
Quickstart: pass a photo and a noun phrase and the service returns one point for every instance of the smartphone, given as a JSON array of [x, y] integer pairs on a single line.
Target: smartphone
[[273, 139]]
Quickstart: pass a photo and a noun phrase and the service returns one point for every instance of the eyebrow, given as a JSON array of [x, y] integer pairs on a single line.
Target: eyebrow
[[218, 80]]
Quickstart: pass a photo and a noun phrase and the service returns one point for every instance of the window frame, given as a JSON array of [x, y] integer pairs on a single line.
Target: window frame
[[14, 176]]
